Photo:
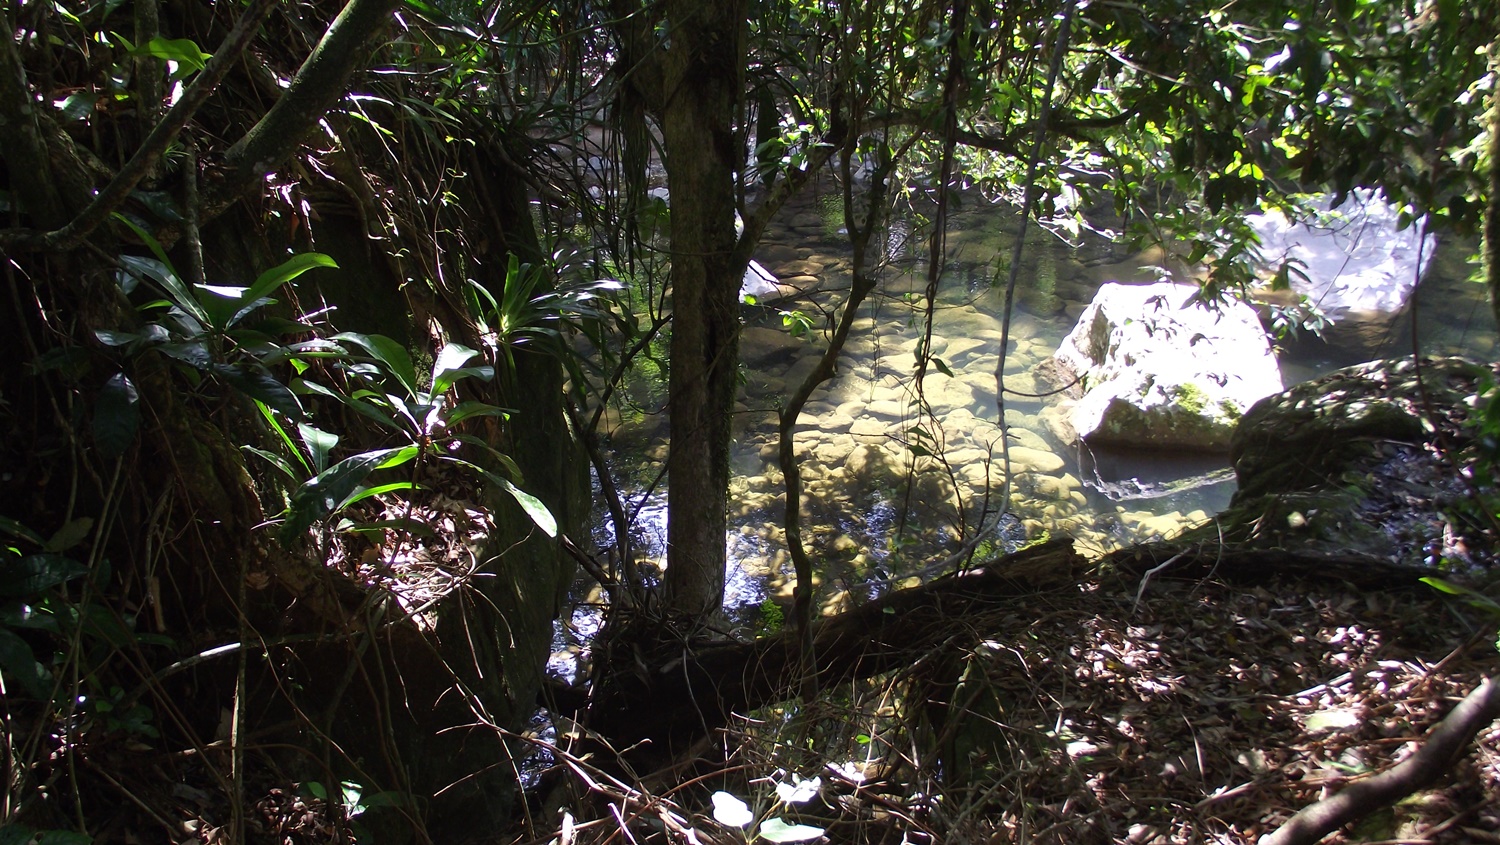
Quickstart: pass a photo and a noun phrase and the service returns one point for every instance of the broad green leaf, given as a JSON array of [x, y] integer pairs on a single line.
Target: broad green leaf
[[465, 410], [365, 408], [19, 531], [109, 338], [167, 279], [321, 495], [258, 384], [779, 830], [193, 353], [269, 281], [78, 106], [183, 51], [319, 443], [23, 674], [286, 439], [274, 460], [117, 416], [394, 357], [151, 243], [362, 493], [35, 574], [533, 506], [402, 455], [1441, 585], [449, 362], [72, 533]]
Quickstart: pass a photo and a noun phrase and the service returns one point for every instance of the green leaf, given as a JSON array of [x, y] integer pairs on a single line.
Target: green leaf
[[533, 506], [403, 455], [72, 533], [170, 283], [392, 355], [193, 353], [254, 381], [78, 106], [465, 410], [269, 281], [15, 834], [183, 51], [32, 575], [22, 672], [117, 416], [779, 830], [319, 444], [449, 362], [274, 460], [322, 494], [362, 493], [19, 531], [1444, 586]]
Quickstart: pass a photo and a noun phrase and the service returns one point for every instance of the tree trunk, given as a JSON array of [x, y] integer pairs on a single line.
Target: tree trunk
[[1492, 209], [703, 84]]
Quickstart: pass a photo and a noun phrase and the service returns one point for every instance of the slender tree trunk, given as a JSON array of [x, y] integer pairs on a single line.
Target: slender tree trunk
[[1492, 209], [703, 84]]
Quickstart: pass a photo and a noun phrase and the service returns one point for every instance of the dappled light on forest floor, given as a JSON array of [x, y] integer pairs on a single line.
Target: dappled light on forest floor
[[1202, 713]]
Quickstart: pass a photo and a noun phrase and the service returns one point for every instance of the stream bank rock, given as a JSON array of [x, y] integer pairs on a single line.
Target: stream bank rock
[[1364, 460], [1162, 370]]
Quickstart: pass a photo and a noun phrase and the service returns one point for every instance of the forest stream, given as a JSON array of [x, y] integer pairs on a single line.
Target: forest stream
[[873, 524]]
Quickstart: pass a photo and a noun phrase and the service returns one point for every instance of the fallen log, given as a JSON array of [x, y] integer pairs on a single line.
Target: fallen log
[[682, 697], [672, 699]]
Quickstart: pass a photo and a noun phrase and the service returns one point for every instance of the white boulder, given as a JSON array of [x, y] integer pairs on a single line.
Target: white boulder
[[1162, 372], [1354, 256]]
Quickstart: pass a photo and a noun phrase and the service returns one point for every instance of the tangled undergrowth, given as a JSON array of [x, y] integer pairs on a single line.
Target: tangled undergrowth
[[1205, 713]]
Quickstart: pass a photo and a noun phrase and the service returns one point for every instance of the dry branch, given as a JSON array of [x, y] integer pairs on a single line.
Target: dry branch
[[1438, 753]]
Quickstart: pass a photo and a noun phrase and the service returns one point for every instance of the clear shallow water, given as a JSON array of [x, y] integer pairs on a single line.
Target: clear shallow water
[[895, 476]]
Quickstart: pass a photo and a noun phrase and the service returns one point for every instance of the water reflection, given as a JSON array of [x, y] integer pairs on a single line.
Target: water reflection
[[897, 473]]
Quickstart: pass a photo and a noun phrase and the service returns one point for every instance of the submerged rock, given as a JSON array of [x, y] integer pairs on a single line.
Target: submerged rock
[[1162, 370]]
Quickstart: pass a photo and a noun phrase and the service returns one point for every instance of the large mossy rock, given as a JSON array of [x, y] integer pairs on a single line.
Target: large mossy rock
[[1162, 370], [1358, 461]]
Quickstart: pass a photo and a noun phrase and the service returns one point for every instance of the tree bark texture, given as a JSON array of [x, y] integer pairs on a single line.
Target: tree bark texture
[[702, 86], [320, 83]]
